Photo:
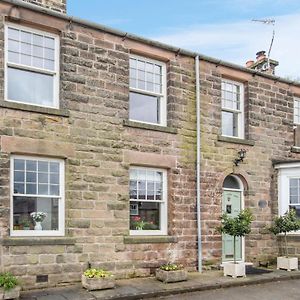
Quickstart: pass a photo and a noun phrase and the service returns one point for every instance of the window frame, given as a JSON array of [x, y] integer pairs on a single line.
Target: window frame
[[240, 112], [55, 73], [61, 199], [285, 173], [163, 95], [296, 99], [163, 207]]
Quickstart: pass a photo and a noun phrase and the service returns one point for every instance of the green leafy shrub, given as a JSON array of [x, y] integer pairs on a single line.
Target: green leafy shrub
[[171, 267], [237, 226], [284, 224], [97, 273], [8, 281]]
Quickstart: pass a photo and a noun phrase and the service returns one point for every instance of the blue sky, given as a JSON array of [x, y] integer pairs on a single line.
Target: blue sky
[[222, 29]]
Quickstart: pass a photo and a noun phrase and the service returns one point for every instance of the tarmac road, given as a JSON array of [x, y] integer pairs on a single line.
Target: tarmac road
[[277, 290]]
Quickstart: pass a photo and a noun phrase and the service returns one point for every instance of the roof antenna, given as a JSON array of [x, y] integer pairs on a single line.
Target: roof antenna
[[268, 22]]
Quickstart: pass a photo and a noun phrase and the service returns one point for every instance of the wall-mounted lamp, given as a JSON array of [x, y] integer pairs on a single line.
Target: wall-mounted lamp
[[241, 156]]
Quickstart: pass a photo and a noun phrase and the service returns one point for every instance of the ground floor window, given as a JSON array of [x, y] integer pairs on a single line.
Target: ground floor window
[[148, 201], [288, 187], [37, 197]]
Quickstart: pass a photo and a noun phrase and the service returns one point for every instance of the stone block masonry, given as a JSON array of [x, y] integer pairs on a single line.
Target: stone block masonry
[[269, 128], [92, 132], [93, 139], [56, 5]]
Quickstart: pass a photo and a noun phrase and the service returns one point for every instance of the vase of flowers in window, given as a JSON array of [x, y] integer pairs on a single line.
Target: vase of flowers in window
[[38, 217]]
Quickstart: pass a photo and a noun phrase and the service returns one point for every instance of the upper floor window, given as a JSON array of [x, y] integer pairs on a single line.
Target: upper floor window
[[37, 196], [32, 66], [148, 201], [147, 101], [232, 109], [297, 110]]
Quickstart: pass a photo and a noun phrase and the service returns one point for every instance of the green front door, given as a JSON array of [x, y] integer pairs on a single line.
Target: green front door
[[231, 204]]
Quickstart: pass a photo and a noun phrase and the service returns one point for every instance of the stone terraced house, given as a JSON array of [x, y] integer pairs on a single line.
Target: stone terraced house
[[103, 137]]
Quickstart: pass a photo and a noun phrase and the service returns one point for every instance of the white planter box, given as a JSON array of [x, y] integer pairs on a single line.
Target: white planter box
[[171, 276], [235, 270], [93, 284], [287, 263], [13, 293]]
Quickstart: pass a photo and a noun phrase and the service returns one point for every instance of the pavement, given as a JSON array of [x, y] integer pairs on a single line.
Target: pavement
[[142, 288]]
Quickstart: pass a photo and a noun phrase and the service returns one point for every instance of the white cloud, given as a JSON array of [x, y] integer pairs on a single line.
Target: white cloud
[[238, 42]]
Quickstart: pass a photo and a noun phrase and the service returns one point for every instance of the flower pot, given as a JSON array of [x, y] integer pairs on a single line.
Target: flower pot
[[13, 293], [93, 284], [235, 269], [171, 276], [287, 263]]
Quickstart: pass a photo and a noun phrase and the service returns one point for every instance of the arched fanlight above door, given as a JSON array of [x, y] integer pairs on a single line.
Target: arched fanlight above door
[[232, 182]]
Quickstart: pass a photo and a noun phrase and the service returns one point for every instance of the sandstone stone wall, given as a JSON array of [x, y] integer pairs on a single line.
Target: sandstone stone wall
[[269, 137], [56, 5], [91, 131]]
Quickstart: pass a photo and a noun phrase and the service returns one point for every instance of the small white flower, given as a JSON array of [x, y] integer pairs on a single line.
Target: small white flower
[[38, 216]]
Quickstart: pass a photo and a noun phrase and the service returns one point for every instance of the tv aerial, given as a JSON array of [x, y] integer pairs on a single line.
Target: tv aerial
[[268, 22]]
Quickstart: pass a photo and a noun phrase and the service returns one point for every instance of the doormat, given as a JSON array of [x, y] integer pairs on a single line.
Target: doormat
[[256, 271]]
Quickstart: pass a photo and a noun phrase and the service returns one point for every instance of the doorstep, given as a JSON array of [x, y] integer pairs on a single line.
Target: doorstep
[[139, 288]]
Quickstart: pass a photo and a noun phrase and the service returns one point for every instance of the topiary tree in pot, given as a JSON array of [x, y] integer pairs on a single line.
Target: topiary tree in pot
[[237, 226], [283, 225]]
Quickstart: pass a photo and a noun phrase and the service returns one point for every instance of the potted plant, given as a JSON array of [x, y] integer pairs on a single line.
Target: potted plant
[[97, 279], [38, 218], [237, 226], [139, 224], [9, 288], [283, 224], [171, 273], [25, 222]]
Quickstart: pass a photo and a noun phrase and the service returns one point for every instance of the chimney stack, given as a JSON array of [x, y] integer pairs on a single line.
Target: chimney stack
[[56, 5], [262, 63]]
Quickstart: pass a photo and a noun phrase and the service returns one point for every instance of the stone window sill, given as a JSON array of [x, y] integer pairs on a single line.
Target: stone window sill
[[139, 125], [33, 108], [12, 241], [159, 239], [233, 140]]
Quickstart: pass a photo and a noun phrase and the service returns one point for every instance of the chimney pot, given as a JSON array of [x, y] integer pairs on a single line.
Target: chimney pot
[[260, 55], [249, 63]]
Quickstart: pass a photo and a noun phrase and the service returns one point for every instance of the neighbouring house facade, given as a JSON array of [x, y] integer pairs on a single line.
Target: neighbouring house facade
[[99, 150]]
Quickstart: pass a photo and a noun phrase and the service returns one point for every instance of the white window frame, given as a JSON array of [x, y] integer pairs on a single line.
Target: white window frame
[[240, 112], [163, 95], [296, 116], [61, 199], [285, 173], [55, 73], [163, 207]]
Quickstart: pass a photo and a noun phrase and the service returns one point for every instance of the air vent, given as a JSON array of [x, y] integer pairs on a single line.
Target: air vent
[[41, 278]]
